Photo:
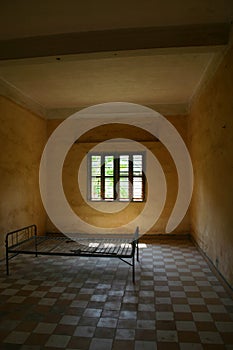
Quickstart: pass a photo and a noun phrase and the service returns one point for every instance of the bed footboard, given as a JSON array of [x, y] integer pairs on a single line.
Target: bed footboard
[[16, 238]]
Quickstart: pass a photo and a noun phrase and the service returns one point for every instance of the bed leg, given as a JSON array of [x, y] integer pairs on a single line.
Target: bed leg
[[136, 239], [36, 254], [36, 242], [7, 261], [133, 268], [137, 251], [7, 267]]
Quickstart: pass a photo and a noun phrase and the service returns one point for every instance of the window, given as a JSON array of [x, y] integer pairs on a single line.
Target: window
[[116, 177]]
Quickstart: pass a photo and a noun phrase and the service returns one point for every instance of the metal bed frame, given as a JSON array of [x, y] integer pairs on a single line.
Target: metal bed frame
[[26, 241]]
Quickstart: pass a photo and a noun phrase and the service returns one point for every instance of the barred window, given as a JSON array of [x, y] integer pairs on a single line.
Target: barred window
[[116, 177]]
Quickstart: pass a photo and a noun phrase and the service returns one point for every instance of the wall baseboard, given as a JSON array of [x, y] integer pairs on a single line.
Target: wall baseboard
[[164, 236]]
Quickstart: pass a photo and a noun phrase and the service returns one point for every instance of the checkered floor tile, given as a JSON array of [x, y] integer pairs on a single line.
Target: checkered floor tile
[[69, 303]]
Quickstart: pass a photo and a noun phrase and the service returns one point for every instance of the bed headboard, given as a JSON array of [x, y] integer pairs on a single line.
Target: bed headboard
[[16, 237]]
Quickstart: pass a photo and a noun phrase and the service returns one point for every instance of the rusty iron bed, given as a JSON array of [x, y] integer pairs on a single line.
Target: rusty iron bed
[[26, 241]]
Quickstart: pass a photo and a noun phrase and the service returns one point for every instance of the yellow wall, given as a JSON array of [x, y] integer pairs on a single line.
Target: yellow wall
[[96, 216], [22, 138], [211, 141]]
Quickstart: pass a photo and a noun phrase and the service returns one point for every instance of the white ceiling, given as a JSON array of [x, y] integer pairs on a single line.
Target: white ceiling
[[156, 76]]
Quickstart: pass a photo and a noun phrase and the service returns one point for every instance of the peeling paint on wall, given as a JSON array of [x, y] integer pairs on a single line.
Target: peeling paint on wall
[[22, 138]]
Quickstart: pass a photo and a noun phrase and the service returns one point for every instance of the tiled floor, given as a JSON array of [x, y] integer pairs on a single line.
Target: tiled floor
[[90, 303]]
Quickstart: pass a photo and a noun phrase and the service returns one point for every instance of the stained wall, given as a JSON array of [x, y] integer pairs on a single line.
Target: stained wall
[[211, 145], [22, 138], [99, 216]]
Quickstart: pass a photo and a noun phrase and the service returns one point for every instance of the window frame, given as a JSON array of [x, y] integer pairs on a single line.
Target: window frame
[[116, 176]]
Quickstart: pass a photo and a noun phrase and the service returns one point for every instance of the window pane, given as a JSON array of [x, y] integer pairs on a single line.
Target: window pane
[[124, 188], [109, 165], [137, 165], [124, 165], [137, 188], [96, 188], [109, 188], [95, 165], [127, 172]]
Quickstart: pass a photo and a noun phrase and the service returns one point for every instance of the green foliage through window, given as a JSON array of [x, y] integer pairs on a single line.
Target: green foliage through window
[[116, 177]]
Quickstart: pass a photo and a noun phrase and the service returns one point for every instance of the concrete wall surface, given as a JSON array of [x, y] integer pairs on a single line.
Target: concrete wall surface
[[99, 214], [211, 144], [22, 138]]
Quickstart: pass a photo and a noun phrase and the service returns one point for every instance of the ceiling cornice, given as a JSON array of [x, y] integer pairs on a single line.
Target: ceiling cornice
[[18, 97], [11, 92], [164, 109]]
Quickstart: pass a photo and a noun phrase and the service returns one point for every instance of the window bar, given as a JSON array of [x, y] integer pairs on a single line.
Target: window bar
[[116, 177], [131, 177], [143, 180], [90, 176], [143, 183], [102, 177]]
